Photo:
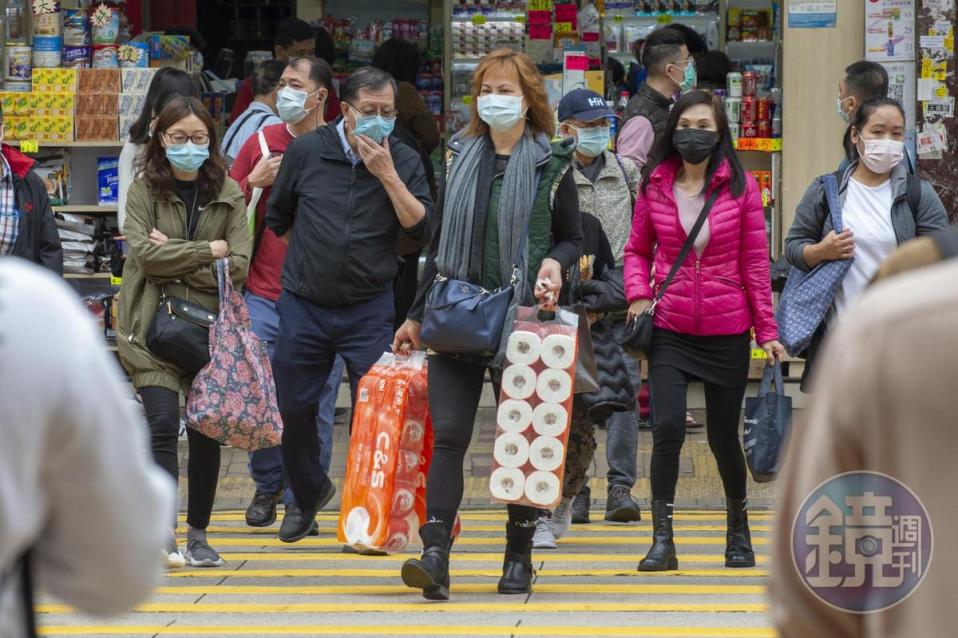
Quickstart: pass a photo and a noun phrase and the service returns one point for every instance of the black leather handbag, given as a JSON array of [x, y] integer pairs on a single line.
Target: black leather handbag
[[637, 338], [180, 334]]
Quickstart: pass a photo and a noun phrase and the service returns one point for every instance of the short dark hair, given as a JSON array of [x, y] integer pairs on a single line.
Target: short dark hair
[[266, 76], [292, 30], [166, 80], [866, 80], [368, 78], [713, 69], [693, 39], [319, 70], [325, 48], [664, 149], [399, 58], [660, 48]]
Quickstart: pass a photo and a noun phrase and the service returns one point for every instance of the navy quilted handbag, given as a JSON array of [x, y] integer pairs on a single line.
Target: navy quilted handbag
[[808, 296]]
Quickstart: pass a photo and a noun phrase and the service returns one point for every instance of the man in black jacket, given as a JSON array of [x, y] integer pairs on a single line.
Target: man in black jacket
[[343, 195], [27, 227]]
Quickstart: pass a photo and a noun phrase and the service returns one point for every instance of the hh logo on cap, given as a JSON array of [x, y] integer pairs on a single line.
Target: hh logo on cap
[[596, 101]]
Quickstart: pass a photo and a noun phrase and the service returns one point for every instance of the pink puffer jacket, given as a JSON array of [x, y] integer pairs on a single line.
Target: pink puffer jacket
[[724, 291]]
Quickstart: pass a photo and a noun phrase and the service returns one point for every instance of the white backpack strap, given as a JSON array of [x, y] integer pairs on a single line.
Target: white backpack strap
[[257, 192]]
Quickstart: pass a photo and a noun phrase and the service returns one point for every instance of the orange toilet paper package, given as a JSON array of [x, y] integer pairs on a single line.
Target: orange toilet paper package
[[384, 493]]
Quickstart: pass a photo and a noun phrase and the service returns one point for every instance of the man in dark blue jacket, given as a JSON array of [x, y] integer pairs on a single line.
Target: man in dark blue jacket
[[343, 196]]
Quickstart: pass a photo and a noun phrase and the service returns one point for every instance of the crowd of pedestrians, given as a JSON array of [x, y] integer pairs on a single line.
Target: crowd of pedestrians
[[323, 220]]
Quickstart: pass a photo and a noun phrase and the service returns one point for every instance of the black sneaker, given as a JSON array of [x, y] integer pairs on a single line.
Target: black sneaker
[[580, 508], [262, 511], [299, 523], [341, 415], [621, 506]]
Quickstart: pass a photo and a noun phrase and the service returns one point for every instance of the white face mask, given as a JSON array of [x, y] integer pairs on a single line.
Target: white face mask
[[500, 112], [882, 155]]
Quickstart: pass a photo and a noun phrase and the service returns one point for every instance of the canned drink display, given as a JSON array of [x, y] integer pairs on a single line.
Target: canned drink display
[[777, 126], [749, 110], [749, 83], [749, 129], [761, 110], [763, 130], [733, 108], [734, 130], [734, 82]]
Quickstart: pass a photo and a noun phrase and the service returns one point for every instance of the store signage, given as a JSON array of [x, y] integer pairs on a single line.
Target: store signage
[[812, 14]]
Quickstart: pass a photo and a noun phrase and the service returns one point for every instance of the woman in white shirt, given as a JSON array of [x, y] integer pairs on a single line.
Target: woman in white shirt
[[167, 83], [882, 207]]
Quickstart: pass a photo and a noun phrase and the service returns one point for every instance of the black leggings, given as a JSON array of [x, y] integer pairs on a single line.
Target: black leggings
[[723, 406], [162, 407], [455, 387]]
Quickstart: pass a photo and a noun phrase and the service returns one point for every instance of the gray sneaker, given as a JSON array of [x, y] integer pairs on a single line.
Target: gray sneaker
[[562, 518], [200, 554], [544, 538]]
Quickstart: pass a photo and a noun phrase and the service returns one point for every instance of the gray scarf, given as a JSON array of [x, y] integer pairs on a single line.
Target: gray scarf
[[517, 196]]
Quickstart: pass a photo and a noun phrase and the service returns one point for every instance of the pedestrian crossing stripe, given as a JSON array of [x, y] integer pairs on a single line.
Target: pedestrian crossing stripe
[[492, 572], [635, 631], [457, 557], [644, 528], [500, 516], [471, 588], [233, 541]]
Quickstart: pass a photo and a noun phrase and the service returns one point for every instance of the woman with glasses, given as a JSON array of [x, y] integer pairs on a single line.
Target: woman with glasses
[[183, 213]]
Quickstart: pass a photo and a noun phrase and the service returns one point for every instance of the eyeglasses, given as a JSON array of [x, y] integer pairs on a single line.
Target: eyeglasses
[[369, 112], [200, 139]]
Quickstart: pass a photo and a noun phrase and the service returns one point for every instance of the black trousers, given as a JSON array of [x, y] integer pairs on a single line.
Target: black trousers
[[162, 407], [723, 405], [455, 387]]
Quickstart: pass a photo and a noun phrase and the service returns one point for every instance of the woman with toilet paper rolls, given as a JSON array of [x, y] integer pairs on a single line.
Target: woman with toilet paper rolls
[[509, 214], [703, 319]]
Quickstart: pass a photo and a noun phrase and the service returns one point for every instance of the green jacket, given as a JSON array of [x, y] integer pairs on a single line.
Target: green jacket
[[184, 268], [553, 167]]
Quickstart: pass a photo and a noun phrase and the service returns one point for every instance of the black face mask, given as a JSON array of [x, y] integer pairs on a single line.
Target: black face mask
[[694, 145]]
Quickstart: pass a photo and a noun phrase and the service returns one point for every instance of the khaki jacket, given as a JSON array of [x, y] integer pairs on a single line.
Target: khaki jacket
[[611, 199], [884, 401], [184, 268]]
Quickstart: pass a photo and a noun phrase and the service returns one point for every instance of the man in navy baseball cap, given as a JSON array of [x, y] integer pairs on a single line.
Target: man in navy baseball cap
[[606, 187]]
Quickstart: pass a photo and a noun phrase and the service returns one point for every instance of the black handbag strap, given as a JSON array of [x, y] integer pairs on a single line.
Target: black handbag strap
[[26, 593], [687, 246]]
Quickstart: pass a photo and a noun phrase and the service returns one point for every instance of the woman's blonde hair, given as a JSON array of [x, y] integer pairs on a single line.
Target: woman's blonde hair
[[539, 114]]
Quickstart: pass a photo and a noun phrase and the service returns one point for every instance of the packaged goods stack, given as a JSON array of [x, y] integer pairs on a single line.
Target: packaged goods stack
[[134, 84], [98, 105]]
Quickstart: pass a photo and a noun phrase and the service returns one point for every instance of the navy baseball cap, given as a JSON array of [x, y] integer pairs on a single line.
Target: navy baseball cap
[[583, 105]]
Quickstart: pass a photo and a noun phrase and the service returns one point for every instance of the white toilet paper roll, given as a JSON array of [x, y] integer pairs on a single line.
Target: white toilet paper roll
[[357, 526], [542, 488], [546, 453], [549, 419], [558, 351], [519, 382], [554, 386], [511, 450], [514, 416], [523, 347], [507, 484]]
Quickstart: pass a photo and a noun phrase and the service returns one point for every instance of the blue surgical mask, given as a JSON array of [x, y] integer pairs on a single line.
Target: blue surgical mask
[[841, 109], [500, 112], [291, 104], [592, 142], [187, 157], [375, 127]]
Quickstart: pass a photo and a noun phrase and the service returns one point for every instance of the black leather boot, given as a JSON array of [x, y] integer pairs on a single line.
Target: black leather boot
[[738, 538], [517, 572], [661, 556], [430, 572]]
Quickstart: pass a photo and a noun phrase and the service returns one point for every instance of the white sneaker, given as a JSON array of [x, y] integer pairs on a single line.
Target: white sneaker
[[544, 538], [562, 518], [172, 557]]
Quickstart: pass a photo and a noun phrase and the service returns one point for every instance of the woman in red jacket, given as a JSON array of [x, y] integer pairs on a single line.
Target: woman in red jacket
[[703, 322]]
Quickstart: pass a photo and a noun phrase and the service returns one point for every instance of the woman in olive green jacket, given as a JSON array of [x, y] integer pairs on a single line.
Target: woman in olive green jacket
[[183, 213]]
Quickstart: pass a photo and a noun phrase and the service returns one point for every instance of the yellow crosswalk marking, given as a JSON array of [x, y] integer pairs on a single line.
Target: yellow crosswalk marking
[[640, 528], [477, 557], [234, 541], [475, 588], [342, 572], [500, 516], [636, 631]]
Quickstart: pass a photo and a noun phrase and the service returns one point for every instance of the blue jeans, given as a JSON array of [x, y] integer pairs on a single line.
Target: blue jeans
[[310, 336], [266, 466], [622, 437]]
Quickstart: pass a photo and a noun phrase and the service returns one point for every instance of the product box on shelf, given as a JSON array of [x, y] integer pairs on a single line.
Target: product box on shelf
[[15, 103], [98, 80], [169, 47], [126, 122], [52, 104], [131, 104], [16, 128], [53, 129], [97, 105], [97, 129], [108, 180], [55, 80], [136, 80]]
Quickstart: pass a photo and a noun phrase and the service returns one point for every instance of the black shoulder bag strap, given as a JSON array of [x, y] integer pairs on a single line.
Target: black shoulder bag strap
[[913, 195], [687, 246], [625, 176], [26, 593], [242, 123]]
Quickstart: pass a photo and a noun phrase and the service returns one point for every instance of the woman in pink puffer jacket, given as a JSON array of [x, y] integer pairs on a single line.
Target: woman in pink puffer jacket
[[703, 322]]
